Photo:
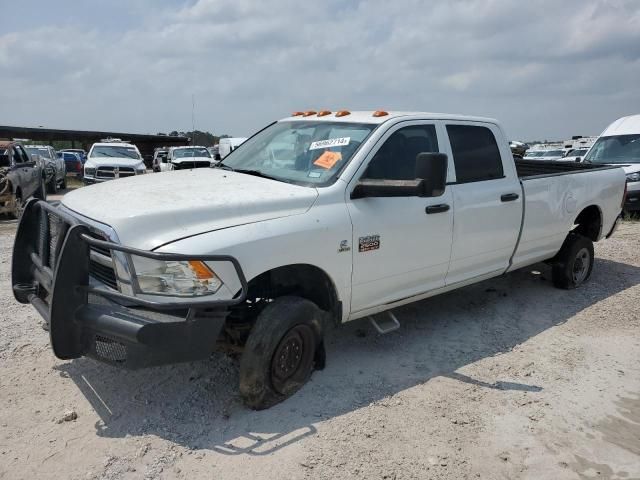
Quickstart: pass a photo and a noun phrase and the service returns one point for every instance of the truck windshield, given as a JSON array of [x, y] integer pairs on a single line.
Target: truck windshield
[[302, 152], [191, 152], [615, 149], [115, 151]]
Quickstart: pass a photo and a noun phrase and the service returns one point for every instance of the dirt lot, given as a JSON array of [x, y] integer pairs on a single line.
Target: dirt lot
[[510, 378]]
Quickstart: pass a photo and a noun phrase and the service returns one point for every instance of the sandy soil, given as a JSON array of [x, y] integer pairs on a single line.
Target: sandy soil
[[509, 378]]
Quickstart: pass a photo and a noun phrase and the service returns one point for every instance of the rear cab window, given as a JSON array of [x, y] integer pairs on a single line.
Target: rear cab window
[[475, 151]]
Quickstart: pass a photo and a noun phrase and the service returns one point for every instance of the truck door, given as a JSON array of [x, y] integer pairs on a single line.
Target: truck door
[[401, 245], [487, 198]]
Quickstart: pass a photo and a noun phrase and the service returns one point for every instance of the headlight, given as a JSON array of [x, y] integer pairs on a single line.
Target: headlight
[[90, 172], [187, 278], [633, 177]]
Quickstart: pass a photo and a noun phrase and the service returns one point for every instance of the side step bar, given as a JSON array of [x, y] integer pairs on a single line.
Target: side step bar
[[384, 322]]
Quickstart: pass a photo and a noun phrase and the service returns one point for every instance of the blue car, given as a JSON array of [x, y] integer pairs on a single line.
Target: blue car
[[73, 162]]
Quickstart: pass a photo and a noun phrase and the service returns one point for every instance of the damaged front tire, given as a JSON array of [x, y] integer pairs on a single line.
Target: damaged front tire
[[283, 348]]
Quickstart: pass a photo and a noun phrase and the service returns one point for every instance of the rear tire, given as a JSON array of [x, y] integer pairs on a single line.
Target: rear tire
[[52, 186], [284, 346], [63, 185], [574, 263]]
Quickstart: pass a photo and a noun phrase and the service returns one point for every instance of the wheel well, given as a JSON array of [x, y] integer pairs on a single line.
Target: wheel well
[[589, 223], [302, 280]]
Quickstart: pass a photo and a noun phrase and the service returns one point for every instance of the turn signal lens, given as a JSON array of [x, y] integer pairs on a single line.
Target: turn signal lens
[[343, 113], [380, 113], [201, 270], [324, 113]]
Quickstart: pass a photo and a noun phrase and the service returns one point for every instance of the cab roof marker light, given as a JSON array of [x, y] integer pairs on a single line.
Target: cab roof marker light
[[324, 113], [343, 113], [308, 113], [380, 113], [297, 114]]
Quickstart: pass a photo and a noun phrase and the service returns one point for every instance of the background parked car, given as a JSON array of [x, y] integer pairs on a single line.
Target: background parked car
[[73, 163], [575, 155], [228, 145], [54, 167], [20, 178], [187, 157], [159, 158], [79, 151]]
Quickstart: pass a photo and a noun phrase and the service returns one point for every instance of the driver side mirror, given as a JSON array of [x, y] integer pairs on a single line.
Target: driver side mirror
[[432, 168], [578, 159], [217, 157], [430, 181]]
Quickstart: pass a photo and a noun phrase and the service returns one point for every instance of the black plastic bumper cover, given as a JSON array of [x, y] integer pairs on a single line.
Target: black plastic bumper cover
[[53, 275]]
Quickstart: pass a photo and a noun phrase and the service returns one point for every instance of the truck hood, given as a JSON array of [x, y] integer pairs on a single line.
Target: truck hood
[[148, 211], [113, 161]]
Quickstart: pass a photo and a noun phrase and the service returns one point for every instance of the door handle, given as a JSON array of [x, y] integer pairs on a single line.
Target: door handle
[[509, 197], [442, 207]]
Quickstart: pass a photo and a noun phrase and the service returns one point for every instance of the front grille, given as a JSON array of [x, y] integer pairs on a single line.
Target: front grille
[[114, 172], [101, 264], [188, 165]]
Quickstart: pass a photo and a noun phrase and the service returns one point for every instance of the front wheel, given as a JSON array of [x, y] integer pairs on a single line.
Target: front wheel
[[17, 206], [573, 264], [283, 348]]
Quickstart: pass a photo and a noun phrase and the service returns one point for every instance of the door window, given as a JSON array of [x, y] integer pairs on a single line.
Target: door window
[[396, 158], [475, 153]]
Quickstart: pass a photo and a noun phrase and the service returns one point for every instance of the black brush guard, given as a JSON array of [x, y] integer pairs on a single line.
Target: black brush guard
[[53, 275]]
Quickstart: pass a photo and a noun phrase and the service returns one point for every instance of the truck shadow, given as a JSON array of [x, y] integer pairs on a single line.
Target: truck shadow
[[197, 405]]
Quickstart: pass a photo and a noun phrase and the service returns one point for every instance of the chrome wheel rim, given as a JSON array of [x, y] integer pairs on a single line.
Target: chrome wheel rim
[[581, 265]]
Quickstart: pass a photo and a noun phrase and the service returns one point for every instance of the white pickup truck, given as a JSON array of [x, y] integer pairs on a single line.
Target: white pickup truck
[[318, 219]]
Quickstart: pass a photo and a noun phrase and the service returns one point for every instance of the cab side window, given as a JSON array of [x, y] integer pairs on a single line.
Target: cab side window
[[475, 153], [396, 158]]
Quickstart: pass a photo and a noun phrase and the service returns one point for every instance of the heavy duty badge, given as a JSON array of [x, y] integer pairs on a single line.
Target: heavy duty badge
[[370, 242]]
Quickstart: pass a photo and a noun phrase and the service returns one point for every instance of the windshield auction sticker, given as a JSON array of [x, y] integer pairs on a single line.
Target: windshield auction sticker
[[328, 159], [331, 142]]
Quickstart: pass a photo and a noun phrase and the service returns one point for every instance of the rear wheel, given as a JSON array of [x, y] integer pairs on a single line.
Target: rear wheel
[[284, 346], [574, 263]]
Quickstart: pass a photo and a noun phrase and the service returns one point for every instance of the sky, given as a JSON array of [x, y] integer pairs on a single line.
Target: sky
[[547, 69]]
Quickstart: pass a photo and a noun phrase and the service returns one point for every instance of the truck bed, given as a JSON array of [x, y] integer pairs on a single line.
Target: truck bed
[[541, 168]]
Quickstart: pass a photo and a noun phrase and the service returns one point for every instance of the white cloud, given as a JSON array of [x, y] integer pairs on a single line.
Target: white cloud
[[531, 65]]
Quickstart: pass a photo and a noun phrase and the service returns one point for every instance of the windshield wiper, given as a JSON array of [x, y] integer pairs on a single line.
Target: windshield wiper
[[255, 173]]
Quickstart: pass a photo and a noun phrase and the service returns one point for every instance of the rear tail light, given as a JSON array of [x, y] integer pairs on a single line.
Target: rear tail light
[[79, 166]]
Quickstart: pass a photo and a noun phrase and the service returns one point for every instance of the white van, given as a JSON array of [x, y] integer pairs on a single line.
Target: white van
[[228, 145], [619, 144]]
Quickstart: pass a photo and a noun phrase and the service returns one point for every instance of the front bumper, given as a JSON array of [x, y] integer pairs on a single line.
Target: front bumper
[[50, 270]]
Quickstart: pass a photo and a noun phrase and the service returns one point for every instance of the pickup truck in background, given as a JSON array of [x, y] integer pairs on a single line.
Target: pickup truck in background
[[319, 219], [180, 158], [54, 166], [20, 178]]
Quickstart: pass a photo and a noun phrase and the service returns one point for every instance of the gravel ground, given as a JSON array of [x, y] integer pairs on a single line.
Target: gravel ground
[[509, 378]]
